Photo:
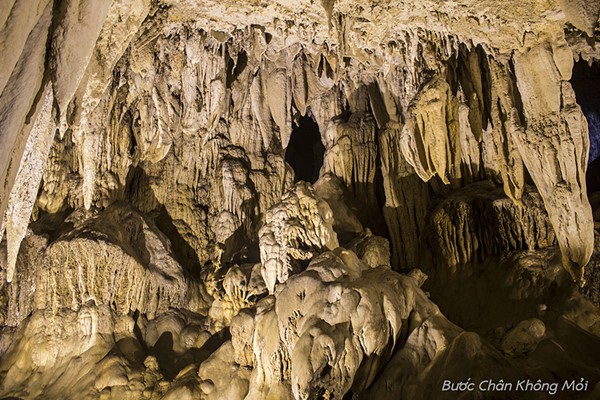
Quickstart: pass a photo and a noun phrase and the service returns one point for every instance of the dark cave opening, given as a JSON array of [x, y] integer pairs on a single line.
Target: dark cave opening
[[586, 84], [305, 151]]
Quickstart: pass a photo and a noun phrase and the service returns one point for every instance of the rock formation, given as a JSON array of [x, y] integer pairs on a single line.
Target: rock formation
[[298, 200]]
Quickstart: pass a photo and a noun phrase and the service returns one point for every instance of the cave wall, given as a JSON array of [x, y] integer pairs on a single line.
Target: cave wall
[[459, 109], [165, 125]]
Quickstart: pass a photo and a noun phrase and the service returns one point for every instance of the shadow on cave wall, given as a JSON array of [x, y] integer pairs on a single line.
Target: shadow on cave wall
[[237, 249], [167, 352], [141, 196]]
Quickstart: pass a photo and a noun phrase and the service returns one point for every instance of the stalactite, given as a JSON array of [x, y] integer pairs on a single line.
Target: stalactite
[[18, 99], [554, 148], [162, 239], [72, 47], [431, 137], [24, 194]]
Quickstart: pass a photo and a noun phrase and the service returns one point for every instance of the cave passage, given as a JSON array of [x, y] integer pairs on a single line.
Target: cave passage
[[305, 151], [586, 83]]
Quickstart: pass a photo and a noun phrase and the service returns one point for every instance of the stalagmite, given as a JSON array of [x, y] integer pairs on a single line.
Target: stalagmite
[[295, 230], [89, 157]]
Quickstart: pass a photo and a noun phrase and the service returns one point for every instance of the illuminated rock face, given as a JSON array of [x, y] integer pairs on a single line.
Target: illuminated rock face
[[243, 200]]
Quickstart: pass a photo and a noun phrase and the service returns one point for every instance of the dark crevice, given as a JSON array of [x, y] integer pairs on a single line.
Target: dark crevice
[[268, 37], [235, 68], [230, 67], [127, 120], [345, 107], [516, 95], [184, 253], [324, 69], [379, 188], [586, 84], [52, 225], [305, 150], [378, 225], [486, 86], [470, 72]]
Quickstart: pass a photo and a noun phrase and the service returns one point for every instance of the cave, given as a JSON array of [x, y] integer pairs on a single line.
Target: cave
[[305, 150], [299, 199], [586, 84]]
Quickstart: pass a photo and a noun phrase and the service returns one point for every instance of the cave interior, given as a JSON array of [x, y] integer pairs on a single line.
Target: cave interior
[[299, 200]]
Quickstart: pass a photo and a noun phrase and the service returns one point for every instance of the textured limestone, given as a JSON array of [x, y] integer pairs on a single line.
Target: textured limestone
[[406, 200], [430, 140], [480, 219], [295, 230], [554, 147], [331, 189], [91, 354], [524, 337], [215, 384], [332, 327], [21, 84], [148, 212], [292, 71], [351, 155], [22, 198], [46, 371], [113, 258]]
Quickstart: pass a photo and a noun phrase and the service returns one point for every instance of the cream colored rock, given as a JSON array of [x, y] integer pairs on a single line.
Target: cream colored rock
[[114, 258], [351, 154], [59, 340], [242, 333], [25, 190], [331, 189], [524, 337], [17, 21], [554, 148], [221, 377], [430, 140], [164, 217], [18, 98], [332, 326], [295, 230], [280, 103], [73, 43], [504, 150]]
